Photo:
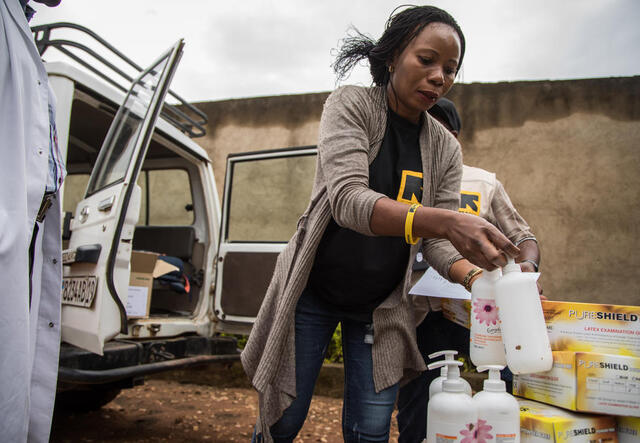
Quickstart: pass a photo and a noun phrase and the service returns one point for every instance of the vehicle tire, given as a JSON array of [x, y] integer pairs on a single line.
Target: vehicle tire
[[85, 400]]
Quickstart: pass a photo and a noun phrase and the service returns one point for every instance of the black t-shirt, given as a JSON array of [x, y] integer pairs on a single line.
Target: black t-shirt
[[356, 272]]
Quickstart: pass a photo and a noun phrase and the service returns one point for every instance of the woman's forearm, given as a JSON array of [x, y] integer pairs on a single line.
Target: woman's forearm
[[476, 239], [389, 216], [459, 270]]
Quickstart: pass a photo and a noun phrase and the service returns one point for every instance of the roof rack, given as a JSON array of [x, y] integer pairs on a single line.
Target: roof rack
[[192, 125]]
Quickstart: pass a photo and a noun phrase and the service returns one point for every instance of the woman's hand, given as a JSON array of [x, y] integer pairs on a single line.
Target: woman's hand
[[478, 240]]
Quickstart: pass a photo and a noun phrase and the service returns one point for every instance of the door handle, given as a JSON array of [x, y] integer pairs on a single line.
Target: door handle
[[106, 204]]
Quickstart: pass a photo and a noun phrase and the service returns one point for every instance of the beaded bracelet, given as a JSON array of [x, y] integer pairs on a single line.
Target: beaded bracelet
[[467, 278]]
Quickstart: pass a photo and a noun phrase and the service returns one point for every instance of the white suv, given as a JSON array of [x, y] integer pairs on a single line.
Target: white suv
[[137, 182]]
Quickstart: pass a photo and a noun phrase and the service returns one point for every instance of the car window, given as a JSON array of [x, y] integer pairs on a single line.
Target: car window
[[268, 196], [166, 198], [118, 148]]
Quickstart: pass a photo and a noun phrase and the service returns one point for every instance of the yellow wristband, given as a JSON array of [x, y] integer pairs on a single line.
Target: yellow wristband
[[408, 224]]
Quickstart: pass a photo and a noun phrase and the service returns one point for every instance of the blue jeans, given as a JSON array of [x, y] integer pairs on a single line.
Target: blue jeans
[[366, 415]]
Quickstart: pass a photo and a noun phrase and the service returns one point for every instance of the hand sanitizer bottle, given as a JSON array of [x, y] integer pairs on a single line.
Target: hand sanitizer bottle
[[498, 411], [485, 346], [451, 415], [524, 332], [436, 384]]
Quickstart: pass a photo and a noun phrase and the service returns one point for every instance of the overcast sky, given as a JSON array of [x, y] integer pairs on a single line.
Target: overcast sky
[[258, 48]]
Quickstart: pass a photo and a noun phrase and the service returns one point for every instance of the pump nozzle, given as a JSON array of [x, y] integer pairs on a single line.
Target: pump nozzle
[[493, 383], [453, 383], [449, 355]]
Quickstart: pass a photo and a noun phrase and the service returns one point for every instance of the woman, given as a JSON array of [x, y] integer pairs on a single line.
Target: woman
[[379, 156]]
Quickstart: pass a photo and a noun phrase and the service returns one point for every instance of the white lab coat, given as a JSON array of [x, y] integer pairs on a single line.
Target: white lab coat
[[29, 339]]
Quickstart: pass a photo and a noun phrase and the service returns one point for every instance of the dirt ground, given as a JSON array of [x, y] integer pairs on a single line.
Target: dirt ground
[[190, 407]]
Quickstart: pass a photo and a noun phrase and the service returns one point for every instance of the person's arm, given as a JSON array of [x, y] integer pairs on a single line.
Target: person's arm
[[516, 228], [529, 254], [459, 271], [475, 238], [343, 159]]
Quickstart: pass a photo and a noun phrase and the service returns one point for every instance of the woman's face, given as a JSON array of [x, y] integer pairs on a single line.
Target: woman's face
[[424, 71]]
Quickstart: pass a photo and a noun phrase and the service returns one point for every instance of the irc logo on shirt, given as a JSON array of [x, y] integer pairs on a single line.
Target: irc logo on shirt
[[410, 187], [470, 202]]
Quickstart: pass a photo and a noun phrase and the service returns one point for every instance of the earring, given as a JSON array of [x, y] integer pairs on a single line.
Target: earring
[[390, 68]]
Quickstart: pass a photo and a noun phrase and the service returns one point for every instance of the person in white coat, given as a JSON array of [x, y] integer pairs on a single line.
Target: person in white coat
[[31, 173]]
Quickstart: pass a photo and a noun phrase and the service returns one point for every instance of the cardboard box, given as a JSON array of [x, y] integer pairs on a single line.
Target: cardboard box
[[458, 311], [541, 423], [628, 429], [585, 327], [587, 382], [579, 327], [145, 266]]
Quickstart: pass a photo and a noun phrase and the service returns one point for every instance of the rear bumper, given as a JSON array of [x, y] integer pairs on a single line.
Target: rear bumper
[[134, 359]]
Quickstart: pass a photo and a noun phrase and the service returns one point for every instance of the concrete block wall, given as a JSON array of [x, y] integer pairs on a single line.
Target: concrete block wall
[[567, 152]]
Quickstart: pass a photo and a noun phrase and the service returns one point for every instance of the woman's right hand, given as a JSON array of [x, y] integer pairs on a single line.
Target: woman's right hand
[[478, 240]]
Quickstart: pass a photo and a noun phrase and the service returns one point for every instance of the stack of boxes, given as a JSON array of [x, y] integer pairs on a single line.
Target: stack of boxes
[[540, 423], [596, 369]]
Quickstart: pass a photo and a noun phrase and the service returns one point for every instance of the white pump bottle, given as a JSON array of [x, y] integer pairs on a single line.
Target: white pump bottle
[[451, 415], [485, 347], [436, 384], [524, 332], [498, 411]]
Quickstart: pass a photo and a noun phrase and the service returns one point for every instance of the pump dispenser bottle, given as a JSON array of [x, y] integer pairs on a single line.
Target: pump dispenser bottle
[[451, 415], [498, 411], [524, 332], [436, 384], [485, 346]]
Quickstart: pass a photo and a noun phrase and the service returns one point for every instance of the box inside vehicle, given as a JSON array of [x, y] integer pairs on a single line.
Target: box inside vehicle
[[172, 219]]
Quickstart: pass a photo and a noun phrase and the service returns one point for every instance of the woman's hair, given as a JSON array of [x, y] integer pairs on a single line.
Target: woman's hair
[[401, 28]]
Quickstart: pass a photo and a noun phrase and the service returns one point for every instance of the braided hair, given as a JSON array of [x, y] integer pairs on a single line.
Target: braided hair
[[401, 28]]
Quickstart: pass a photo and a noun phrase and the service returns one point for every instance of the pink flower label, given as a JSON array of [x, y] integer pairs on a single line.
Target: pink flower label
[[486, 311], [477, 433]]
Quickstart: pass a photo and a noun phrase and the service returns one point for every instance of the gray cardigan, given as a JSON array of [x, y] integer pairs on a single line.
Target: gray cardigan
[[352, 128]]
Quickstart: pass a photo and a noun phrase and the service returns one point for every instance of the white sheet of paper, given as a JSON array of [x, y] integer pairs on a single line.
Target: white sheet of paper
[[433, 284], [137, 301]]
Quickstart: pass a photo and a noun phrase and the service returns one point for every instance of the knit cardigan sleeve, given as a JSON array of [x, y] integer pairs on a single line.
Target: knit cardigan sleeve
[[343, 156]]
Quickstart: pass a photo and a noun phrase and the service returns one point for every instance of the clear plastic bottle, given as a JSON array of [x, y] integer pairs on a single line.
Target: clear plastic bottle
[[498, 411], [436, 384], [451, 415], [485, 347], [524, 332]]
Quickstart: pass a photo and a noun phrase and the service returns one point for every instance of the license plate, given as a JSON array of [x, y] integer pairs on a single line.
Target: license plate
[[79, 291]]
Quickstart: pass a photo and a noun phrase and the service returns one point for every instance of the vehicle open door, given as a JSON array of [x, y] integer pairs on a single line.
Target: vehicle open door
[[97, 263], [265, 194]]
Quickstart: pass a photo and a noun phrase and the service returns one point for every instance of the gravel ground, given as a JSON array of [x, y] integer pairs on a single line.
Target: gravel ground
[[164, 410]]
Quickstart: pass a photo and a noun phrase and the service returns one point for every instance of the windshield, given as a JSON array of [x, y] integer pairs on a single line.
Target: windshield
[[119, 145]]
